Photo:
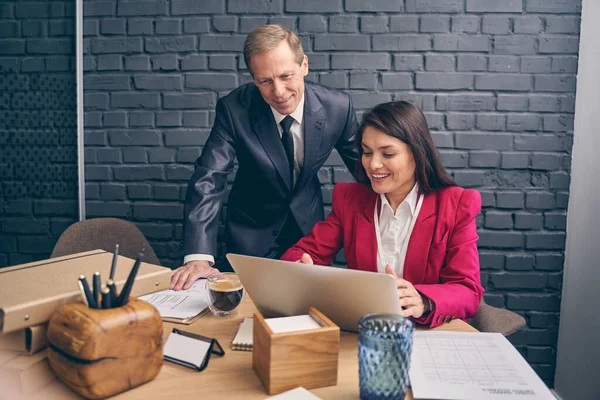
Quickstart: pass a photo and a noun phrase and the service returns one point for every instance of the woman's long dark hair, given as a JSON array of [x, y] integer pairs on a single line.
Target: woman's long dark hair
[[404, 121]]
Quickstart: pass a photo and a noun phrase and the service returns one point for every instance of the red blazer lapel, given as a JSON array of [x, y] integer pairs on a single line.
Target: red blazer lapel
[[366, 241], [420, 240]]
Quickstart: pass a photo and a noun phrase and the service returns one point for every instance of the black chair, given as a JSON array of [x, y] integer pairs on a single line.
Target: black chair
[[494, 319], [104, 233]]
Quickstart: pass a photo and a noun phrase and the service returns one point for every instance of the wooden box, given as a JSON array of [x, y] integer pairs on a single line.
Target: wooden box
[[99, 353], [283, 361]]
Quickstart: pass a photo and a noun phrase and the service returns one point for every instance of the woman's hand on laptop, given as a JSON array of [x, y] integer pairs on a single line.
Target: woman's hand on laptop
[[184, 277], [305, 259], [413, 304]]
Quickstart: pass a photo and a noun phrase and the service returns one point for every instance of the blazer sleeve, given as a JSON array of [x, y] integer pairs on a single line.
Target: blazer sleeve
[[346, 145], [207, 187], [459, 293], [325, 239]]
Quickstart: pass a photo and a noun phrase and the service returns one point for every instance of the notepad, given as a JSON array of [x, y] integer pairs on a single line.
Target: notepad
[[243, 339], [295, 323]]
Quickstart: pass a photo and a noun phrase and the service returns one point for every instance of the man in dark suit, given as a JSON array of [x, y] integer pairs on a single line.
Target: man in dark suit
[[281, 129]]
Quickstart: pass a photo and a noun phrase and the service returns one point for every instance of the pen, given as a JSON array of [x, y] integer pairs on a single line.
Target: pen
[[96, 283], [85, 300], [124, 296], [114, 262], [110, 284], [106, 301], [88, 293]]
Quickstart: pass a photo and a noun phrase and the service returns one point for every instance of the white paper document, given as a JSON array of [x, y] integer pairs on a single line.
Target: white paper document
[[295, 394], [292, 324], [179, 303], [471, 366], [186, 349]]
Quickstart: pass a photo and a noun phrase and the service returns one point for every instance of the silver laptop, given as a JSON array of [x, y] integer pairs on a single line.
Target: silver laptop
[[282, 288]]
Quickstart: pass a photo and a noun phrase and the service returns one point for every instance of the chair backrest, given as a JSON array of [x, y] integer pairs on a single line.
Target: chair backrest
[[494, 319], [104, 233]]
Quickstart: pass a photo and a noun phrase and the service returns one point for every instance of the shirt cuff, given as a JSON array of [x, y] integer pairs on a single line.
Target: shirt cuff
[[199, 257], [431, 304]]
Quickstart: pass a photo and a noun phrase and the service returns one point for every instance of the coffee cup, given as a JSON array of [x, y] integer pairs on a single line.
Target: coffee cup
[[224, 292]]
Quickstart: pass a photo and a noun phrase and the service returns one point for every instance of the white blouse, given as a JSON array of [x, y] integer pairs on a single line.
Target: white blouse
[[393, 230]]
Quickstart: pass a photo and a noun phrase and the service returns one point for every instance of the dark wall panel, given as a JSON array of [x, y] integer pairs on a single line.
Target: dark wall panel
[[38, 127]]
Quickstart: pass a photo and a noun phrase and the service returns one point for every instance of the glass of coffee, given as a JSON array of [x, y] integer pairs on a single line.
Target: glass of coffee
[[224, 292]]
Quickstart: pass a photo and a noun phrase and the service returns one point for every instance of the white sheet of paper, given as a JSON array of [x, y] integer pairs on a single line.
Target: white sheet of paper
[[295, 394], [179, 303], [292, 324], [471, 366], [186, 349]]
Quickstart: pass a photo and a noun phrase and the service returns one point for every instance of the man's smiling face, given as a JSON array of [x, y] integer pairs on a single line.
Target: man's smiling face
[[279, 77]]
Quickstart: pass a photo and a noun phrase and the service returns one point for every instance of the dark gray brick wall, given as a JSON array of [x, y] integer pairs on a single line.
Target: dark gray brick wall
[[496, 80], [38, 134]]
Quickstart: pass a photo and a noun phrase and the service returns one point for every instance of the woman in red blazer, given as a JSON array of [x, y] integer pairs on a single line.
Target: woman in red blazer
[[407, 218]]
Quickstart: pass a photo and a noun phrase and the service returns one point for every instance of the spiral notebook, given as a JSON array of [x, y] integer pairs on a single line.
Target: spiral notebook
[[243, 339]]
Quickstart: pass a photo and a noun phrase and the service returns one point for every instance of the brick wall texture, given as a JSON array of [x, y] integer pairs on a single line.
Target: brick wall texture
[[496, 80], [38, 127]]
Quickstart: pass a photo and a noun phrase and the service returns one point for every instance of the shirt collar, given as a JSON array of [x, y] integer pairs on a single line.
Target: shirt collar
[[410, 199], [298, 113]]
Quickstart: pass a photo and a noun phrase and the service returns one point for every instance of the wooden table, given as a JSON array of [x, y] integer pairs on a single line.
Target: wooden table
[[232, 376]]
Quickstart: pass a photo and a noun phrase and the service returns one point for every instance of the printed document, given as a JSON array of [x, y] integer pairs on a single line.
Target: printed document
[[471, 366], [180, 304]]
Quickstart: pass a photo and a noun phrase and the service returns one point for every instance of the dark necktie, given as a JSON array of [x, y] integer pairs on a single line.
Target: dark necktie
[[288, 143]]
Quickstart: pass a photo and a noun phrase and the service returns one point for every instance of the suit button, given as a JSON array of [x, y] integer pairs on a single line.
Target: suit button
[[275, 232], [439, 317]]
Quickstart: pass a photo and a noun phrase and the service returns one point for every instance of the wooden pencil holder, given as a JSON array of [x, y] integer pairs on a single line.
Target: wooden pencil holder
[[283, 361], [99, 353]]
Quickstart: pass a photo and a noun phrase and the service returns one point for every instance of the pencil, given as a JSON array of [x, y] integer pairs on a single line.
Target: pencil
[[110, 284], [114, 262], [124, 296], [88, 293], [83, 296], [96, 287], [106, 301]]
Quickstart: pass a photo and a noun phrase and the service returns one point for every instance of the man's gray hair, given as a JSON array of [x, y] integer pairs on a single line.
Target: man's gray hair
[[268, 37]]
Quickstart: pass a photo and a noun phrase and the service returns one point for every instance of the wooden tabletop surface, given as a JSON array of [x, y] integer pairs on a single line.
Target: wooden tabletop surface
[[232, 376]]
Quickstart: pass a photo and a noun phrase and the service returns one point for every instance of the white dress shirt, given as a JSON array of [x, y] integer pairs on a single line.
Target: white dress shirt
[[393, 230], [297, 131]]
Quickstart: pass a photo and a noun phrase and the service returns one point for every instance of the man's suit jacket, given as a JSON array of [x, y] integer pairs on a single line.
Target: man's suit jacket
[[441, 262], [262, 194]]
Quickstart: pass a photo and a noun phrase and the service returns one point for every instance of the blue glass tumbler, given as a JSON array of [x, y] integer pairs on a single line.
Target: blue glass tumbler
[[384, 349]]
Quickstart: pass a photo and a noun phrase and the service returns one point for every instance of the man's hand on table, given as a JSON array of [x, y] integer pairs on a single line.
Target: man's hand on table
[[183, 277]]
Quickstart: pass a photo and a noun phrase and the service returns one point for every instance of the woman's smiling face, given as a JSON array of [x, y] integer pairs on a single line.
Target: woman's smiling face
[[388, 161]]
